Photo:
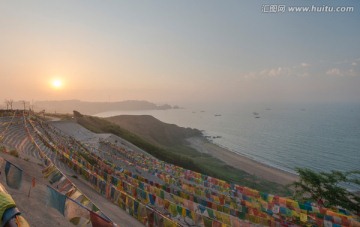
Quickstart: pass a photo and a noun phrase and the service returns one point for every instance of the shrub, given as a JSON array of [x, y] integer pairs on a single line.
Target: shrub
[[14, 153], [2, 149]]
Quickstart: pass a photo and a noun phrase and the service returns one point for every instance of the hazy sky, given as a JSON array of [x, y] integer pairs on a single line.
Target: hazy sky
[[179, 51]]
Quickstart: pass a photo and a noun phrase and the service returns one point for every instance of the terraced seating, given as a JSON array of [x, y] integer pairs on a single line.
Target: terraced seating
[[158, 193]]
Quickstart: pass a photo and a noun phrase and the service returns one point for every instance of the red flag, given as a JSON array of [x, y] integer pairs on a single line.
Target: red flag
[[97, 220]]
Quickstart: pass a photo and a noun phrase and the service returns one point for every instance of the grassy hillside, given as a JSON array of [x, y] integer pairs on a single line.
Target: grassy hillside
[[99, 125], [154, 130], [177, 153]]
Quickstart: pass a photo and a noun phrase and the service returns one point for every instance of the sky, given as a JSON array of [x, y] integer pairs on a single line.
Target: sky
[[180, 51]]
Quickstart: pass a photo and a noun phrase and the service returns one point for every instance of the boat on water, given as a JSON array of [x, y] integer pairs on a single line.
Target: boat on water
[[256, 114], [217, 115]]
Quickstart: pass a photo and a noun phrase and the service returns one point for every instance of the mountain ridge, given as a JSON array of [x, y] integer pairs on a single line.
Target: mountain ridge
[[67, 106]]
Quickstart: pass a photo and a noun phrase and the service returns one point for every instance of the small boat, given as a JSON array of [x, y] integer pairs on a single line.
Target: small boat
[[217, 115]]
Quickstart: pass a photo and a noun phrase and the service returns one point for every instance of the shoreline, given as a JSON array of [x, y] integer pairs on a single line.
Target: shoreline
[[202, 145], [242, 162], [238, 161]]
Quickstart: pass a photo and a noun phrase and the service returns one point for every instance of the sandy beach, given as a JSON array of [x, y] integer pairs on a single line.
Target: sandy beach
[[241, 162]]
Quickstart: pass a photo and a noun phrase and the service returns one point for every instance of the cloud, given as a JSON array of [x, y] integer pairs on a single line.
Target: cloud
[[305, 65], [276, 72], [334, 72], [304, 69], [299, 70], [346, 72], [352, 72], [250, 75]]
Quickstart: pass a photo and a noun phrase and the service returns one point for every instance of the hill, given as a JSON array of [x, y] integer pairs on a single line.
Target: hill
[[154, 130], [175, 150], [67, 106]]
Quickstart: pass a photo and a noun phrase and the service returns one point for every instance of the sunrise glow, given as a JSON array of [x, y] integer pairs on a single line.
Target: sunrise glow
[[57, 84]]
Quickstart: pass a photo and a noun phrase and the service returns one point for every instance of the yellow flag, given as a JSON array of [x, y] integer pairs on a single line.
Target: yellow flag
[[225, 219], [303, 217], [168, 223], [193, 215], [294, 213], [183, 212]]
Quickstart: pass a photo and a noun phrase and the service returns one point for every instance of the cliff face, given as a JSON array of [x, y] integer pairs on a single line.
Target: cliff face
[[154, 130], [67, 106]]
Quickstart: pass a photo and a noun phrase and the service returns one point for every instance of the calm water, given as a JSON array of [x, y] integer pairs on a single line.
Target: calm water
[[321, 137]]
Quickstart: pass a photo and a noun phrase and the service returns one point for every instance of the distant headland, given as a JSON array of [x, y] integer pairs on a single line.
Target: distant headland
[[67, 106]]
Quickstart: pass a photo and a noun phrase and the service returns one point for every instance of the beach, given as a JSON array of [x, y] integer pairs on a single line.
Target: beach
[[241, 162]]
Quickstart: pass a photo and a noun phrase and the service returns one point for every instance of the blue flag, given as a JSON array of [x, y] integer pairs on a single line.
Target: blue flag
[[13, 175], [56, 200]]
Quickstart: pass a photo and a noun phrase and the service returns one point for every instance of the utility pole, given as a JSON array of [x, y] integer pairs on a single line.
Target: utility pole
[[24, 103], [7, 104], [11, 101]]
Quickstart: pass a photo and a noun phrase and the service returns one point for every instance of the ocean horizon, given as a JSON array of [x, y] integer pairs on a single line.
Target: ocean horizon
[[321, 137]]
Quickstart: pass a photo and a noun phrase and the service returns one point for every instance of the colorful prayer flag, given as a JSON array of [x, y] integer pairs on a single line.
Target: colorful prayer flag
[[303, 217], [13, 175], [74, 212], [97, 220], [56, 200]]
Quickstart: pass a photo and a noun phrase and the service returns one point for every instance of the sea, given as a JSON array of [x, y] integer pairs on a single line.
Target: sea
[[318, 136]]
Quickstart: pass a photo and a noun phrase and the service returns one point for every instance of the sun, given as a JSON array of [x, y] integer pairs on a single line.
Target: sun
[[57, 83]]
